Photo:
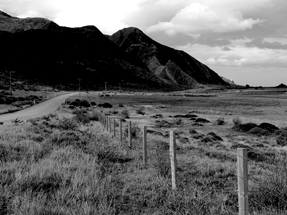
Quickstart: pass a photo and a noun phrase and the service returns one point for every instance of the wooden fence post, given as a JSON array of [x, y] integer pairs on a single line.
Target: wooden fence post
[[114, 127], [110, 124], [144, 146], [242, 178], [130, 134], [121, 132], [172, 148]]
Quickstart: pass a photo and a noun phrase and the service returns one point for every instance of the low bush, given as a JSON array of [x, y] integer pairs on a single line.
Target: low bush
[[219, 121], [281, 138], [125, 114], [107, 105], [67, 124], [237, 121], [244, 127], [135, 131], [140, 111], [258, 131]]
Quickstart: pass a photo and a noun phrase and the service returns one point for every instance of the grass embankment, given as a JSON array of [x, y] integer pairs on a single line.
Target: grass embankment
[[65, 164]]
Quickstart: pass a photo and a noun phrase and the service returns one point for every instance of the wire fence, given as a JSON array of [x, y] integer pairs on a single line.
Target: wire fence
[[266, 190]]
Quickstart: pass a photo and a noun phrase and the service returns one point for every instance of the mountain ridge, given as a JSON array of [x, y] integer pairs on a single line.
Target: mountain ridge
[[42, 50], [158, 57]]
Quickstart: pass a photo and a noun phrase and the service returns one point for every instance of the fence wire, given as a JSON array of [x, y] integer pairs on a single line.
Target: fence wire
[[253, 190]]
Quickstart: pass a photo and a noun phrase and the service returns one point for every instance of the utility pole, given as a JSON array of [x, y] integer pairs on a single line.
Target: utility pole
[[106, 86], [119, 86], [79, 86], [10, 88]]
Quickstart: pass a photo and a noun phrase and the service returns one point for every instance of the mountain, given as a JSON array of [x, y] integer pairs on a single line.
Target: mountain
[[170, 65], [40, 51], [50, 54], [14, 24]]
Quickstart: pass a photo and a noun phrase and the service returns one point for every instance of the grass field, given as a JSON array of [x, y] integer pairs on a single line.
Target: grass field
[[65, 163]]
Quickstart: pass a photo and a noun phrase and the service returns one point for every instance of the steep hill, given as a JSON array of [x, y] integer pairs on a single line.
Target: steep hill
[[170, 65], [60, 55], [14, 24]]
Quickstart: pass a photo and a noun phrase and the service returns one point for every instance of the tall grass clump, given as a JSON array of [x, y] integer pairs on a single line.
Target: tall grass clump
[[271, 189]]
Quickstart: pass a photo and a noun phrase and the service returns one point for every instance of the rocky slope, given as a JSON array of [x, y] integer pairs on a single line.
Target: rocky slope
[[170, 65]]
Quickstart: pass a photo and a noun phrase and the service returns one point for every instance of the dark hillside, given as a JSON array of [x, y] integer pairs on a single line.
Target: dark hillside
[[163, 60]]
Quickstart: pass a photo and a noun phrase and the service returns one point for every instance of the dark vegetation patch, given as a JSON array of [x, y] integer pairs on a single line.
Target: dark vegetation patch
[[183, 140], [157, 116], [185, 116], [268, 127], [220, 121], [6, 98], [258, 131], [201, 120], [197, 124], [105, 105], [244, 127], [211, 137], [281, 138], [140, 111]]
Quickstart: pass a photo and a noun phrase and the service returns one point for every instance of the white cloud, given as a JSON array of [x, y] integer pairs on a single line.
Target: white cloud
[[207, 16], [239, 56]]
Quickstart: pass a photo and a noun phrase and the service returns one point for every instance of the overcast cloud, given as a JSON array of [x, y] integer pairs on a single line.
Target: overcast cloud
[[236, 38]]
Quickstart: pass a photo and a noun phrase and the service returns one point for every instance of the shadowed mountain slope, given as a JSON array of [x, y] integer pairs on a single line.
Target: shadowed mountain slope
[[169, 64], [61, 55], [40, 51]]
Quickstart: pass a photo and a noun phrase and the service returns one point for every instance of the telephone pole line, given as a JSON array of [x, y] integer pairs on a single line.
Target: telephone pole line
[[106, 86], [10, 85], [79, 86]]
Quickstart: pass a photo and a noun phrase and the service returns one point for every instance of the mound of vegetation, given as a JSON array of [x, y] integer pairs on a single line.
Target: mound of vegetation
[[211, 137], [201, 120], [80, 103], [281, 138], [244, 127]]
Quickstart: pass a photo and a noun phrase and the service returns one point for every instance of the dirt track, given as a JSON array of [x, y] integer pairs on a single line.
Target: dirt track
[[36, 110]]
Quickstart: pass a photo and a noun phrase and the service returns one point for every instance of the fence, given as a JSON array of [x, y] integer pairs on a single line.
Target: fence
[[109, 124]]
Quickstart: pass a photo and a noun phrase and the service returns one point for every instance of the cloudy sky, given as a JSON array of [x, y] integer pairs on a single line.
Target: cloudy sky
[[243, 40]]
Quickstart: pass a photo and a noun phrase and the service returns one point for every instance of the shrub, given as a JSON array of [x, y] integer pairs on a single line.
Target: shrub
[[135, 131], [177, 121], [121, 105], [125, 114], [244, 127], [67, 124], [107, 105], [237, 121], [219, 121], [282, 137], [258, 131], [140, 111]]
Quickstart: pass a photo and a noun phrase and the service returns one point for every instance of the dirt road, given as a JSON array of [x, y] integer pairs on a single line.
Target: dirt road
[[38, 110]]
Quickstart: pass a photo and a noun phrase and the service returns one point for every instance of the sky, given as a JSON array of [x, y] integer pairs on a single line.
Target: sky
[[242, 40]]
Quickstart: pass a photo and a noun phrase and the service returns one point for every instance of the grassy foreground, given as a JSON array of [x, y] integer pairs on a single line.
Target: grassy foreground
[[65, 164]]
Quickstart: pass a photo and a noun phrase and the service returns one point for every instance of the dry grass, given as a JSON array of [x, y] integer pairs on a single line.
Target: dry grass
[[62, 164]]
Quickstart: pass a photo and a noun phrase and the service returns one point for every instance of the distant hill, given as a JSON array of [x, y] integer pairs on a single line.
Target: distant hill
[[40, 51], [281, 86]]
